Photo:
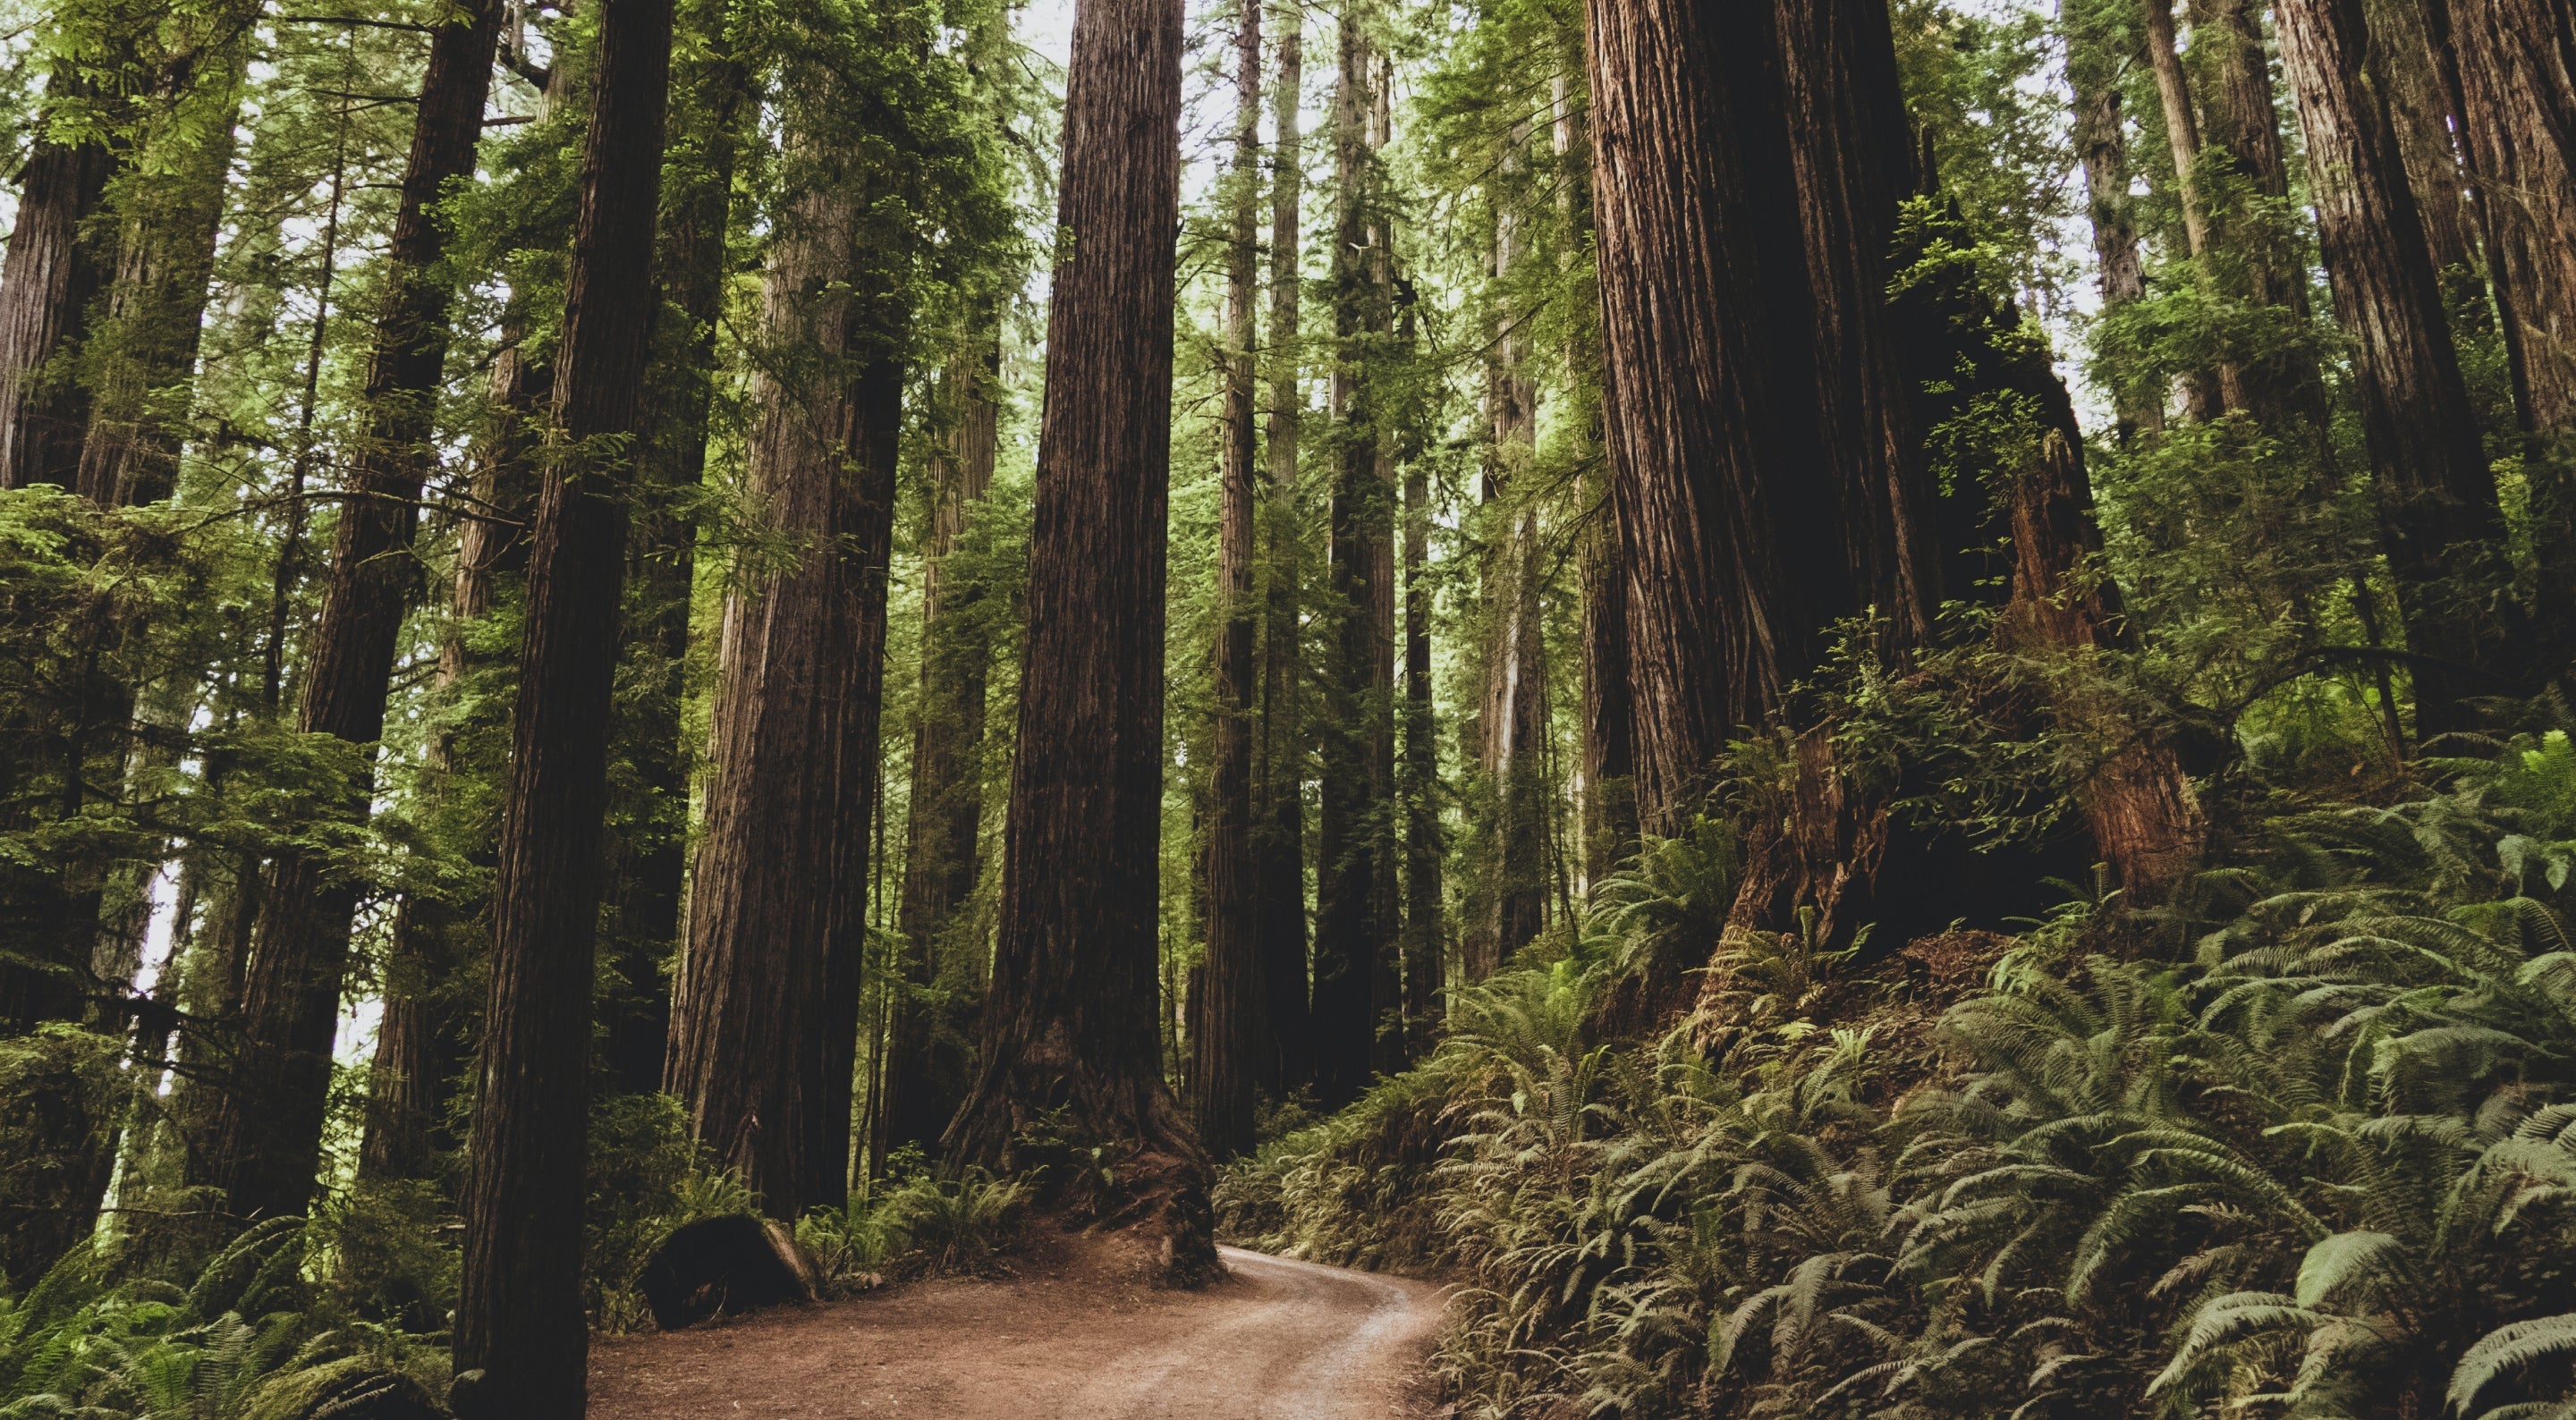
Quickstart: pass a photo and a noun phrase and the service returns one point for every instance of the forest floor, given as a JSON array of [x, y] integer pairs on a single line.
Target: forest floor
[[1075, 1334]]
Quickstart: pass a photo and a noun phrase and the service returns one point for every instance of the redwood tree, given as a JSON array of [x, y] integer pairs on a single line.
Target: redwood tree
[[268, 1128], [2517, 67], [926, 1062], [519, 1319], [1279, 831], [1232, 1028], [47, 284], [777, 904], [2438, 513], [1070, 1034], [1679, 96]]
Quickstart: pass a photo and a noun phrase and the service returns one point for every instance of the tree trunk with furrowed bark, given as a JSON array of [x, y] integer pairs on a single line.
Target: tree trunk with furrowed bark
[[927, 1063], [519, 1318], [268, 1127], [777, 903], [2517, 68], [1279, 829], [1232, 1027], [2438, 512], [1071, 1034]]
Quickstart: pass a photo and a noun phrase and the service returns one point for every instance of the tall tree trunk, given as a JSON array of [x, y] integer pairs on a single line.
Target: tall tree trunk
[[2182, 121], [416, 1050], [519, 1315], [2207, 394], [1425, 938], [2407, 66], [1232, 1025], [1279, 834], [268, 1131], [2438, 512], [1850, 153], [1711, 617], [2517, 67], [927, 1056], [1609, 743], [1352, 938], [2101, 146], [711, 104], [1609, 712], [143, 377], [1071, 1022], [2266, 263], [1386, 887], [1512, 718], [47, 283], [782, 867]]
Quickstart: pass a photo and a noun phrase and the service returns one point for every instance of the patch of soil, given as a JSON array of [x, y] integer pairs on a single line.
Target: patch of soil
[[1080, 1332]]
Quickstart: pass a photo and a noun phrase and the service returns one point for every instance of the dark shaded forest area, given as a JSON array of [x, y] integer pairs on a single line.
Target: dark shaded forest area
[[1861, 707]]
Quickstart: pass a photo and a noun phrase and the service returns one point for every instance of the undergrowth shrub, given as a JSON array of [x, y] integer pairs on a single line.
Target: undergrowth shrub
[[2321, 1161], [250, 1339]]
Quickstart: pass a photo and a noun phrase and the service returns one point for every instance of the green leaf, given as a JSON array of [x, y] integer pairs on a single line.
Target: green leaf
[[2509, 1348], [2339, 1259]]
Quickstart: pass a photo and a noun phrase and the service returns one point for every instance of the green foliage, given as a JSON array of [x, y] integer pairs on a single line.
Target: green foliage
[[251, 1339], [380, 1249], [2324, 1165], [647, 1178], [961, 1224]]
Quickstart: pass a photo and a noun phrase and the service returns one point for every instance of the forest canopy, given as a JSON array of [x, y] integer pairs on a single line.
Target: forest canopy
[[1860, 705]]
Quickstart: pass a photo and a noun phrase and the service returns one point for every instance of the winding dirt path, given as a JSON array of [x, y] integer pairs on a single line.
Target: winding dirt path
[[1278, 1340]]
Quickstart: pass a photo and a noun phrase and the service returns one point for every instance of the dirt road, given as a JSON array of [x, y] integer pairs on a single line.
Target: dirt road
[[1279, 1340]]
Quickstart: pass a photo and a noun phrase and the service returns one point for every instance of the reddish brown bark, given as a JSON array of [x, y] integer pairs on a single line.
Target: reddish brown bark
[[759, 1047], [2439, 518], [1279, 830], [1850, 155], [1231, 1029], [51, 275], [1072, 1022], [1687, 167], [519, 1317], [2517, 69]]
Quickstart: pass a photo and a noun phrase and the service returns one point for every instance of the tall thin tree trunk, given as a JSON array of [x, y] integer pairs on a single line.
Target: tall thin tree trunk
[[927, 1060], [1232, 1029], [1608, 750], [47, 283], [1279, 836], [156, 304], [2517, 67], [2438, 511], [2407, 66], [268, 1132], [519, 1317], [2182, 136], [1352, 938], [1512, 716], [1425, 941], [780, 889], [648, 856], [1072, 1020], [2101, 145]]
